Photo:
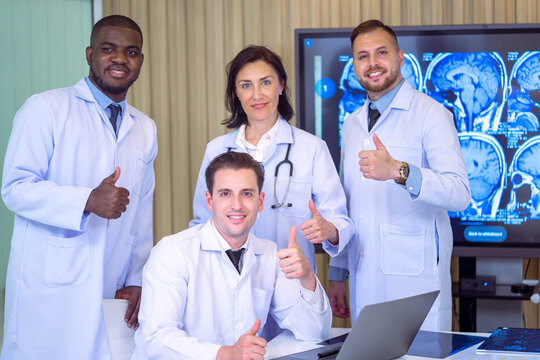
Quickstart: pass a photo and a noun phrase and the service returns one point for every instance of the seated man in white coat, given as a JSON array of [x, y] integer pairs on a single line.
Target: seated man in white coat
[[197, 305]]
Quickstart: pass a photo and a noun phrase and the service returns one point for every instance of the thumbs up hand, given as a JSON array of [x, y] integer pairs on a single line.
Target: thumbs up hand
[[107, 200], [378, 164], [318, 229], [294, 264], [249, 346]]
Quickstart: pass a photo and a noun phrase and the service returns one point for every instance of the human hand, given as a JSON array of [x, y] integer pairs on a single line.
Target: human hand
[[378, 164], [248, 347], [107, 200], [133, 296], [294, 264], [318, 229], [336, 295]]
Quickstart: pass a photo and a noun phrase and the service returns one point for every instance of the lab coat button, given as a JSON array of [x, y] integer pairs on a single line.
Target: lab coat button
[[239, 326], [366, 142], [410, 188]]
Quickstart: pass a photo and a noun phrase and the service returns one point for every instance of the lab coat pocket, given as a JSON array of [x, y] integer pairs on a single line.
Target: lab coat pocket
[[261, 302], [402, 250], [67, 260], [411, 153], [298, 196]]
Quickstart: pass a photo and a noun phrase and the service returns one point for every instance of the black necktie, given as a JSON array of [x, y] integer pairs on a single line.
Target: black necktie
[[115, 109], [235, 256], [374, 115]]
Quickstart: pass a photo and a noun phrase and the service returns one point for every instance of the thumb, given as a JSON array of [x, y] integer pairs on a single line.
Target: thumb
[[292, 237], [313, 209], [256, 326], [378, 144], [114, 176]]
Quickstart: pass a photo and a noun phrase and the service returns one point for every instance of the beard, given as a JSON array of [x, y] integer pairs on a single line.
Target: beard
[[108, 87], [377, 88]]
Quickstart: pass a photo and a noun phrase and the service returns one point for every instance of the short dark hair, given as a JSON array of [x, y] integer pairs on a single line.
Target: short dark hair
[[233, 160], [114, 20], [372, 25], [251, 54]]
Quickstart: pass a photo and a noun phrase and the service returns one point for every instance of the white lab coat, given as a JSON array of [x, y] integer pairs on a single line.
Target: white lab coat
[[63, 262], [194, 300], [314, 177], [394, 251]]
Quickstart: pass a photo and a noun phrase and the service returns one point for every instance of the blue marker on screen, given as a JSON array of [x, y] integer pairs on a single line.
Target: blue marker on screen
[[325, 88], [485, 233], [308, 43]]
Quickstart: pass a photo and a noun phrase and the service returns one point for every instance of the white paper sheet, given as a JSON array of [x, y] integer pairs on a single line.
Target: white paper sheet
[[120, 336]]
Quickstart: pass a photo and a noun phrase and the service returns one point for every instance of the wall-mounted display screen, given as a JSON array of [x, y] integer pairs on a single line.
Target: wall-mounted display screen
[[488, 76]]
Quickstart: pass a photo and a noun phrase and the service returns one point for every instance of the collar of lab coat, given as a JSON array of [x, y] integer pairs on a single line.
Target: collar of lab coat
[[402, 101], [209, 241], [83, 92], [284, 135]]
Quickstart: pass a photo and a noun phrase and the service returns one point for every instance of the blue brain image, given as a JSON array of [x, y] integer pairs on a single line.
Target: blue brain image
[[523, 103], [483, 168], [528, 74], [529, 162], [470, 84]]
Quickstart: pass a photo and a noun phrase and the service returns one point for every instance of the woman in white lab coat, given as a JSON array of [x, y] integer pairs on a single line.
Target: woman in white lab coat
[[305, 190]]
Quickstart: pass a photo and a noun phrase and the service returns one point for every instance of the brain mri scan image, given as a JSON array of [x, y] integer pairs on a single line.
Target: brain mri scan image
[[471, 85], [524, 173], [486, 169], [524, 100]]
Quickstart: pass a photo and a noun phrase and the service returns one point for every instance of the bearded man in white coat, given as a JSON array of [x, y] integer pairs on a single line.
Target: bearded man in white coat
[[402, 170], [201, 301], [78, 174]]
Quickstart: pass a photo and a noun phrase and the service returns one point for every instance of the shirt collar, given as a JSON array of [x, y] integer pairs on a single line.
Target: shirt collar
[[103, 100], [224, 244], [385, 101], [257, 151]]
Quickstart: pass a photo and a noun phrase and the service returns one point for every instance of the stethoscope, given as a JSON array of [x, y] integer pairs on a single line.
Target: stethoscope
[[286, 161], [278, 204]]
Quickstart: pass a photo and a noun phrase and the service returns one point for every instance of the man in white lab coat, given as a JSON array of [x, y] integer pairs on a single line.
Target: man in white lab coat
[[79, 177], [200, 302], [402, 169]]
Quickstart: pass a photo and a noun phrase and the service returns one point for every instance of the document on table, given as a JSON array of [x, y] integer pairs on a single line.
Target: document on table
[[120, 336]]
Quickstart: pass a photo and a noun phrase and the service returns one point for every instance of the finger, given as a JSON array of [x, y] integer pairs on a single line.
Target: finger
[[292, 237], [255, 327], [306, 224], [124, 192], [313, 209], [378, 143], [261, 343], [134, 315], [114, 177]]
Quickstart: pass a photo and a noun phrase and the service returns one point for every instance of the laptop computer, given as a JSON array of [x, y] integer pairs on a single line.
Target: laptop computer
[[382, 331]]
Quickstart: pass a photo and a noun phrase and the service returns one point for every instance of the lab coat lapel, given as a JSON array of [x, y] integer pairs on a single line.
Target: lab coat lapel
[[82, 91], [126, 124], [209, 242], [402, 101], [284, 135], [250, 256]]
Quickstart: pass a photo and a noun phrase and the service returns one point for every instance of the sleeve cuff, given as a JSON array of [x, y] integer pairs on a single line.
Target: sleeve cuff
[[414, 181], [337, 274]]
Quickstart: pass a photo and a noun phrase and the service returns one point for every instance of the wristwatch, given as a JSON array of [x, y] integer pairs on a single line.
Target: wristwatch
[[403, 174]]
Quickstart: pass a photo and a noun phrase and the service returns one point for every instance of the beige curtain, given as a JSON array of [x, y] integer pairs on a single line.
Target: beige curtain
[[187, 44]]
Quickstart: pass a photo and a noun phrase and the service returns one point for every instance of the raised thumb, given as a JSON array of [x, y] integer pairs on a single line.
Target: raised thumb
[[378, 144], [256, 326], [292, 237], [114, 176], [312, 208]]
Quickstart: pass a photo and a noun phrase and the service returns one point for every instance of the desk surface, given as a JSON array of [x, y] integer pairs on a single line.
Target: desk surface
[[285, 344]]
